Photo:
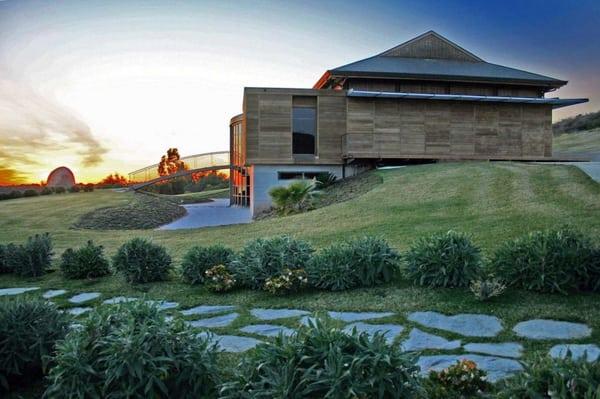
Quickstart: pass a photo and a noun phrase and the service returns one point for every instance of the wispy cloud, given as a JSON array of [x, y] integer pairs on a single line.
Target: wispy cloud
[[32, 126]]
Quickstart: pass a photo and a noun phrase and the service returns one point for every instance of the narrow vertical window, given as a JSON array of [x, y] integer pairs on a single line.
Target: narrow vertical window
[[304, 125]]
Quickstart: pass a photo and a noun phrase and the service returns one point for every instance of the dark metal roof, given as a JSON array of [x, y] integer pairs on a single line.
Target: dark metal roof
[[441, 69], [555, 102]]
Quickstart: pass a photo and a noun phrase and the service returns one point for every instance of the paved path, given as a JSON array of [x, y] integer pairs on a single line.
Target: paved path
[[216, 213]]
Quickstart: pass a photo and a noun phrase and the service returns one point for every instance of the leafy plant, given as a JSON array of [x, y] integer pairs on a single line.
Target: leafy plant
[[219, 279], [5, 266], [30, 193], [59, 190], [546, 261], [268, 257], [33, 258], [461, 380], [294, 198], [46, 191], [141, 261], [28, 333], [332, 268], [290, 280], [486, 289], [443, 260], [545, 377], [86, 262], [130, 351], [199, 259], [324, 362], [324, 180]]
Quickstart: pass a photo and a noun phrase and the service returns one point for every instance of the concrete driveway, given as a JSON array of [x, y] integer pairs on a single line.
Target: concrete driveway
[[216, 213]]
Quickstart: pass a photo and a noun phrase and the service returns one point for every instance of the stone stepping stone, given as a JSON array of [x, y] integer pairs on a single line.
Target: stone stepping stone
[[551, 329], [164, 305], [84, 297], [419, 340], [212, 322], [232, 343], [590, 352], [504, 349], [268, 330], [119, 299], [78, 310], [389, 331], [16, 291], [350, 317], [470, 325], [206, 309], [53, 293], [274, 314], [497, 368]]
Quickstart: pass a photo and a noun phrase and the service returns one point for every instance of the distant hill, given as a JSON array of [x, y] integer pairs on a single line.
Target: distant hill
[[577, 123]]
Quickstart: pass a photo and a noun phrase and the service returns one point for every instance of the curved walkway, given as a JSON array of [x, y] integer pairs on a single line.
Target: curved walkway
[[215, 213]]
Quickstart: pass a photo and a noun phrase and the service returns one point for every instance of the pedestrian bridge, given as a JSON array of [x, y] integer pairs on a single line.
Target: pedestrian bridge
[[210, 161]]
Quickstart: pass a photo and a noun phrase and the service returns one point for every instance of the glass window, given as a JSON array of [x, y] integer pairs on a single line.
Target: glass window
[[304, 125]]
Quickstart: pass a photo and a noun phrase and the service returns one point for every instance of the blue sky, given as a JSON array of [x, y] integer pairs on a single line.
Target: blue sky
[[110, 85]]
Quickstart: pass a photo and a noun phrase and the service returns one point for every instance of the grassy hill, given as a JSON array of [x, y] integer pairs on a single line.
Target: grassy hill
[[579, 142], [492, 201], [577, 123]]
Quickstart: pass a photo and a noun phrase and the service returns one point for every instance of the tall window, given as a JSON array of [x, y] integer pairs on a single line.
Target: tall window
[[304, 125]]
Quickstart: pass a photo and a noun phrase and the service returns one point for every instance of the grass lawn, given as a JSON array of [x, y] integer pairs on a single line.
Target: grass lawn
[[587, 141], [492, 201]]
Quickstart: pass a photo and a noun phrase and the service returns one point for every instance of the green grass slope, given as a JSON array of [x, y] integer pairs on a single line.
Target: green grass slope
[[579, 142]]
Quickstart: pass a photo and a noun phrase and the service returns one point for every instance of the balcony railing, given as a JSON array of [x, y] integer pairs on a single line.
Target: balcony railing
[[192, 162]]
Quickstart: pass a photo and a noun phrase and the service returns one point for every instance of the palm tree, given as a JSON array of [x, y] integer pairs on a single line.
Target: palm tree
[[296, 197]]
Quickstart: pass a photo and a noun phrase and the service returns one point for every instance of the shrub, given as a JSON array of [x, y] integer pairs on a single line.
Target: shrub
[[324, 180], [88, 188], [263, 258], [443, 260], [324, 362], [86, 262], [461, 380], [294, 198], [141, 261], [219, 279], [33, 258], [28, 332], [545, 377], [199, 259], [5, 266], [290, 280], [74, 189], [46, 191], [130, 350], [333, 268], [30, 193], [546, 261], [487, 289], [59, 190]]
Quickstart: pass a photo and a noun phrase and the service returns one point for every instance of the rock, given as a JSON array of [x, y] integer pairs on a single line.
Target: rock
[[268, 330], [504, 349], [212, 322], [591, 352], [470, 325], [350, 317], [206, 309], [273, 314], [52, 293], [419, 340], [496, 368], [551, 329], [232, 343], [389, 331], [78, 310], [119, 299], [16, 291], [84, 297], [164, 305]]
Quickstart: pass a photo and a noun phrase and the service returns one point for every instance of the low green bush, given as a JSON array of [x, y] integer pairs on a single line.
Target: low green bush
[[59, 190], [74, 189], [219, 279], [141, 261], [5, 266], [332, 268], [294, 198], [28, 333], [443, 260], [324, 362], [459, 381], [130, 351], [263, 258], [30, 193], [32, 259], [545, 377], [199, 259], [546, 261], [289, 281], [85, 262], [46, 191]]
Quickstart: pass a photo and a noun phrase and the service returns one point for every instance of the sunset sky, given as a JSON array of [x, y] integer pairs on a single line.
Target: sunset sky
[[104, 86]]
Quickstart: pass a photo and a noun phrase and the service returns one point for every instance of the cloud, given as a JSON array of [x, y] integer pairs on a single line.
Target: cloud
[[33, 127], [10, 176]]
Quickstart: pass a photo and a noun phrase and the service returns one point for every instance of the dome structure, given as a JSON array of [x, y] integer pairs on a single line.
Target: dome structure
[[61, 177]]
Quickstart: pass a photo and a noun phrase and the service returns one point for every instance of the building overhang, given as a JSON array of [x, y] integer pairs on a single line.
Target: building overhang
[[555, 102]]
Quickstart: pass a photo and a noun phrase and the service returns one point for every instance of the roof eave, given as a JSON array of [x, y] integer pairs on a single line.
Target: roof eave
[[322, 80]]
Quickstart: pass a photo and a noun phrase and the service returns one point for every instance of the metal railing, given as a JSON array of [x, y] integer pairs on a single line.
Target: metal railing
[[192, 162]]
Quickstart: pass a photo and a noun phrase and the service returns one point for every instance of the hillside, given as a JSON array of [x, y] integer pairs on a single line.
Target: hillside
[[585, 143], [492, 201], [577, 123]]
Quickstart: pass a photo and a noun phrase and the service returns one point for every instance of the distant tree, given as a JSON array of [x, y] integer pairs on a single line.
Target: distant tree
[[171, 163], [114, 179]]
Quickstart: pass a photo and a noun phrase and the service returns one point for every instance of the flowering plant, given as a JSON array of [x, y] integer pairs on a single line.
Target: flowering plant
[[219, 279], [290, 280], [461, 380]]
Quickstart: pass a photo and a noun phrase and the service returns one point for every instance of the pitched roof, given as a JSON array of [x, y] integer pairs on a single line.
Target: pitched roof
[[431, 56]]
